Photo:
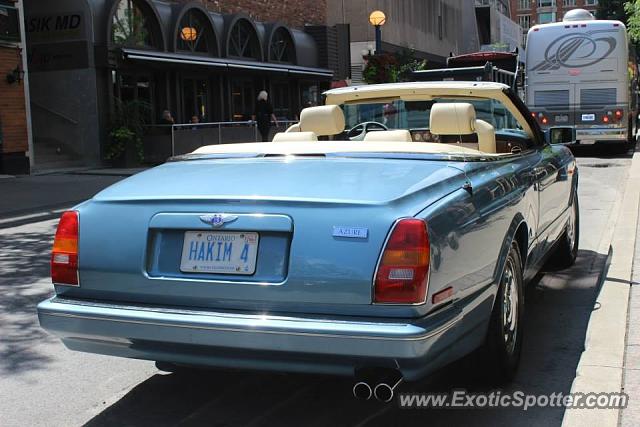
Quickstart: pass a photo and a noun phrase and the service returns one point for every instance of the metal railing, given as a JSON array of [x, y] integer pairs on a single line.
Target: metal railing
[[190, 136]]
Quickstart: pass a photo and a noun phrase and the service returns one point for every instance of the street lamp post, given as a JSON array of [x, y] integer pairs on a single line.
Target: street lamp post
[[377, 18]]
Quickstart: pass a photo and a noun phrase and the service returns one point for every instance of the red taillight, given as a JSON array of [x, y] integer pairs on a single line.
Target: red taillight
[[544, 120], [605, 119], [404, 266], [619, 114], [64, 256]]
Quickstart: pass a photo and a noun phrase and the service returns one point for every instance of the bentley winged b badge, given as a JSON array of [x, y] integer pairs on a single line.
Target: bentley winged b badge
[[217, 220]]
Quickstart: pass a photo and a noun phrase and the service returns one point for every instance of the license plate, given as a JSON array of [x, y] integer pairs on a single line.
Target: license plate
[[219, 252], [562, 119], [588, 117]]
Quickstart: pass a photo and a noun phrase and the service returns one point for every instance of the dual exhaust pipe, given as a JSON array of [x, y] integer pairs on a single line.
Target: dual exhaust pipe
[[383, 390]]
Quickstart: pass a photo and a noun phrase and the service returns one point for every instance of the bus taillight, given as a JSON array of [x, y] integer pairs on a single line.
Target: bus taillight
[[619, 114]]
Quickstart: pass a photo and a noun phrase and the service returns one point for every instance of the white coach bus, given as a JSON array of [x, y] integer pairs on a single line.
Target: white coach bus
[[580, 74]]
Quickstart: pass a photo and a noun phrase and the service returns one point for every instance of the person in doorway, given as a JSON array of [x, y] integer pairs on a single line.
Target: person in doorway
[[263, 115], [195, 120], [167, 118]]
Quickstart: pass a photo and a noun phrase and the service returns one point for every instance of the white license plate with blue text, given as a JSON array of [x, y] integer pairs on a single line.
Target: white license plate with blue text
[[588, 117], [220, 252]]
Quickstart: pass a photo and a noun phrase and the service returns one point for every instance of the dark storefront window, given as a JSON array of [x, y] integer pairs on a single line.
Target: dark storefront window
[[281, 47], [309, 95], [195, 99], [131, 26], [135, 89], [243, 41], [195, 34], [280, 100], [242, 99]]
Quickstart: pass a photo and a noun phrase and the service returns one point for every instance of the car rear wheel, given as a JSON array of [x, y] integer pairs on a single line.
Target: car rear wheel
[[503, 344], [567, 248]]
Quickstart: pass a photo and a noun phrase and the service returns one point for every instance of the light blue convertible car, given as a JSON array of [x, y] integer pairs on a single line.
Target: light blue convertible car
[[383, 258]]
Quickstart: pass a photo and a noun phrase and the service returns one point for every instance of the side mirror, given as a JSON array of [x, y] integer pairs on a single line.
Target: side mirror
[[560, 135]]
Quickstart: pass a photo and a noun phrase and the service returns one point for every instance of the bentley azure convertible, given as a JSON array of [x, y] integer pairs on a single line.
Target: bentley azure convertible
[[383, 255]]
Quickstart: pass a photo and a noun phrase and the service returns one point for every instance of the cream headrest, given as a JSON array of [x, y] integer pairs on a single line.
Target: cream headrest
[[322, 120], [452, 118]]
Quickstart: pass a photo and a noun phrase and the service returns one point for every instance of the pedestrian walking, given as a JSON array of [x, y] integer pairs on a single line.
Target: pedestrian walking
[[263, 115]]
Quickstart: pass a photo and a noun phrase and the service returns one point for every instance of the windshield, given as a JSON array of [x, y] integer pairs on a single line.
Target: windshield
[[414, 115]]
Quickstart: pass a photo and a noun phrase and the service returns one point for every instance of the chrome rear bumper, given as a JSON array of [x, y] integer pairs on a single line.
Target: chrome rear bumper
[[258, 341]]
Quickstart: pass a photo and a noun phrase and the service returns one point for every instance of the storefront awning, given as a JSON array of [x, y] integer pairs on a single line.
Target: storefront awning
[[224, 63]]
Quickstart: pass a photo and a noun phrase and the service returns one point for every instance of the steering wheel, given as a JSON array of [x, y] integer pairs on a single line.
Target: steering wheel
[[358, 132]]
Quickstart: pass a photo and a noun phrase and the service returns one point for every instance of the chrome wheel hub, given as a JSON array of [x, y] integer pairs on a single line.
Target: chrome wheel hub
[[509, 307]]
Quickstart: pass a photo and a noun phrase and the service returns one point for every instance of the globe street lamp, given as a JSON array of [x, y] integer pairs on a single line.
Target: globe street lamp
[[377, 18]]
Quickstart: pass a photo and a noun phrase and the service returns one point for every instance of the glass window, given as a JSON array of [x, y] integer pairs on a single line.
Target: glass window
[[546, 3], [280, 100], [415, 114], [309, 95], [524, 4], [569, 2], [136, 92], [243, 41], [281, 48], [195, 34], [195, 99], [131, 26], [591, 2], [524, 21], [546, 17], [242, 99]]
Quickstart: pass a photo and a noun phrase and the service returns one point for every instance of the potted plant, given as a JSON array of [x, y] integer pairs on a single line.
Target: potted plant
[[124, 148]]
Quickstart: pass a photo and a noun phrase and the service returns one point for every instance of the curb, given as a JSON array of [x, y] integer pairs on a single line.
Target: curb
[[601, 365]]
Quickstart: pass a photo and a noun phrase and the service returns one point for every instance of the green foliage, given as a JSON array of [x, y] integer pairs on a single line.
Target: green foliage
[[391, 68], [127, 128], [129, 26], [632, 8]]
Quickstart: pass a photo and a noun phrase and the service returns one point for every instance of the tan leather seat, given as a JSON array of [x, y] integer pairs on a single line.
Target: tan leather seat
[[389, 135], [459, 118]]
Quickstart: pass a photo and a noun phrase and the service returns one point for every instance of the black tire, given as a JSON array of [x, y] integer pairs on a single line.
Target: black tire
[[567, 247], [503, 344]]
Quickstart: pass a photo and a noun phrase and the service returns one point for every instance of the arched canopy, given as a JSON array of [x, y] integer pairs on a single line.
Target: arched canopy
[[242, 40], [135, 23], [194, 32], [281, 47]]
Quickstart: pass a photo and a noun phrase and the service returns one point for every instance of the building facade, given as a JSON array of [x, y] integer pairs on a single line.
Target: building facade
[[528, 13], [497, 31], [203, 59], [14, 128], [432, 29]]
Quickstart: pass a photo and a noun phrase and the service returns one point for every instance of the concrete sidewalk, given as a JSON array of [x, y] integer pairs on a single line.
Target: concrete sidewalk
[[631, 371], [610, 362], [37, 197]]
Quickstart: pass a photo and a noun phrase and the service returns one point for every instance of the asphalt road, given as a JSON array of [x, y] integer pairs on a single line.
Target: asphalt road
[[42, 383]]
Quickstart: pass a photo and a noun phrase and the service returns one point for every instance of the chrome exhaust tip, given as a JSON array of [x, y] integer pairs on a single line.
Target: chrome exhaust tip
[[383, 392], [362, 390]]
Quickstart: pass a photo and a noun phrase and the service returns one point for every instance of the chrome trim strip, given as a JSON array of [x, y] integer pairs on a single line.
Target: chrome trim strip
[[427, 335]]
